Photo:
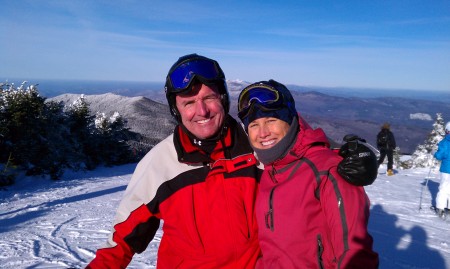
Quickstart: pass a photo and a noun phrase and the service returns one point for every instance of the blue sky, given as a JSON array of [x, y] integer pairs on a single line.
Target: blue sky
[[354, 43]]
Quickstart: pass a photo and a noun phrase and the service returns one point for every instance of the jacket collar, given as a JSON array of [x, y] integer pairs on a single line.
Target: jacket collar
[[231, 142], [307, 138]]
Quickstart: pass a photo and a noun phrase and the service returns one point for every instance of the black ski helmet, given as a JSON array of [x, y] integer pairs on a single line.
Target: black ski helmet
[[193, 68], [271, 98]]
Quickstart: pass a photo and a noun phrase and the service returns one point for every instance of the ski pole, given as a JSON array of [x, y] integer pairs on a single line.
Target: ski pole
[[426, 184]]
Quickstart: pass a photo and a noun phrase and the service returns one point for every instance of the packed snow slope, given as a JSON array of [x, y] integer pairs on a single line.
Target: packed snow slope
[[60, 224]]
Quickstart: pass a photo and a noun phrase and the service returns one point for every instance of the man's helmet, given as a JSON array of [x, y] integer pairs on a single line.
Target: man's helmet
[[190, 69]]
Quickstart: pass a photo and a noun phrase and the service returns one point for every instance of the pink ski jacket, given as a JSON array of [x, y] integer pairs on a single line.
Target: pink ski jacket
[[308, 215]]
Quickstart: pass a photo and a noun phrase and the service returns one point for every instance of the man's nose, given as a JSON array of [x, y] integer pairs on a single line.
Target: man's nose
[[200, 107]]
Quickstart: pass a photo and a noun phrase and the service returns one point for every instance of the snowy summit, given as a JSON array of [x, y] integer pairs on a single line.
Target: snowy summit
[[60, 224]]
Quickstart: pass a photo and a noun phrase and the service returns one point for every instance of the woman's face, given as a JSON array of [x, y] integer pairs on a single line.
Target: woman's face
[[265, 133]]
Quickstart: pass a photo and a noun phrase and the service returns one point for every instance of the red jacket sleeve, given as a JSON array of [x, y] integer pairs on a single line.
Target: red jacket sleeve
[[129, 237]]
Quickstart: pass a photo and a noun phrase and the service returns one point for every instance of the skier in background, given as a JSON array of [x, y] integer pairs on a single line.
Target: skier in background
[[443, 154], [386, 145]]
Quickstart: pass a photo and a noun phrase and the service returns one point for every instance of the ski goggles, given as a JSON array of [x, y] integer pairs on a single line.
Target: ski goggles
[[264, 95], [182, 76]]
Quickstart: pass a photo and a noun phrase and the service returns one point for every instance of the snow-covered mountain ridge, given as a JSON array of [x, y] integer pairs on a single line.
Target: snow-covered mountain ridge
[[144, 116], [338, 116]]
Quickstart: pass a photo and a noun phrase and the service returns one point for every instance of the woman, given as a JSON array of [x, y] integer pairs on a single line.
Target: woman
[[308, 215], [443, 154]]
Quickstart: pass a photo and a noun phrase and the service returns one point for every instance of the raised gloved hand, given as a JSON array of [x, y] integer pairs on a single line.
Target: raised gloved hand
[[359, 166]]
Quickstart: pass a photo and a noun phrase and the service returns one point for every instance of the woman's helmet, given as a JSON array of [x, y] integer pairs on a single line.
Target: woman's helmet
[[191, 69], [266, 99], [447, 127]]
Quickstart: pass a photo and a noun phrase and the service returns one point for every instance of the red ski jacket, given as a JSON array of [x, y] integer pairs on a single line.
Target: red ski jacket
[[308, 215], [206, 204]]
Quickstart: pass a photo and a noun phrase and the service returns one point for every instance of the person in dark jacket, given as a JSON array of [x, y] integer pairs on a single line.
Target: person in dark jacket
[[308, 215], [201, 181], [443, 154], [386, 145]]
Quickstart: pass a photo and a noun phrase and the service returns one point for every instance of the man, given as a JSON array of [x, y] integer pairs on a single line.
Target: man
[[201, 181], [386, 145]]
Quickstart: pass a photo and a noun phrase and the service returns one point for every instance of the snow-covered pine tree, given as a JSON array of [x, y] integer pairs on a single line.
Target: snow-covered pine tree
[[112, 136], [81, 125], [43, 137], [437, 134], [21, 117], [422, 156], [32, 130]]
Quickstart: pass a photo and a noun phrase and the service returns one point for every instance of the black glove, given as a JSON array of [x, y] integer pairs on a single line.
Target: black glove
[[359, 166]]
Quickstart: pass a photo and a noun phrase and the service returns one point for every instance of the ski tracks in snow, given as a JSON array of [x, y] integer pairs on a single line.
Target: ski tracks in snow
[[61, 228]]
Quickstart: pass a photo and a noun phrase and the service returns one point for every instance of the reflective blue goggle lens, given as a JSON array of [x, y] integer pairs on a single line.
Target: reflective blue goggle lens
[[182, 76], [261, 94]]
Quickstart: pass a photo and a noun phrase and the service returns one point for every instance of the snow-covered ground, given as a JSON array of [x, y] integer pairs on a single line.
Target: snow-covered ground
[[60, 224]]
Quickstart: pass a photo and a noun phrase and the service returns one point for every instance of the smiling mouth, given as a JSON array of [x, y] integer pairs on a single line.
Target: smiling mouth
[[268, 143], [203, 121]]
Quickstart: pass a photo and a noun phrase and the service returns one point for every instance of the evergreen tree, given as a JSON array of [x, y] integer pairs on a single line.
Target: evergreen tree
[[22, 123], [112, 139], [57, 142], [45, 137], [32, 131], [80, 124], [422, 156]]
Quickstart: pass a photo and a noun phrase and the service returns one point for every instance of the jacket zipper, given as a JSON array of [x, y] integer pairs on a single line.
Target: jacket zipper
[[272, 174], [269, 214], [319, 252]]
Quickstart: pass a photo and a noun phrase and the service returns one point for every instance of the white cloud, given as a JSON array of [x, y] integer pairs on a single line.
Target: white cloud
[[420, 116]]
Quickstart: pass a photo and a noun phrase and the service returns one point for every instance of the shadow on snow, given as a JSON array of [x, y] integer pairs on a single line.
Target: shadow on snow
[[34, 211], [388, 236]]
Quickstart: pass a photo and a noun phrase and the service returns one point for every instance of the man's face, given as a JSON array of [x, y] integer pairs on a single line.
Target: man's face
[[201, 110]]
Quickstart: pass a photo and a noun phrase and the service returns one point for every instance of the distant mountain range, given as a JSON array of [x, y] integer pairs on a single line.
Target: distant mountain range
[[411, 119], [144, 116]]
